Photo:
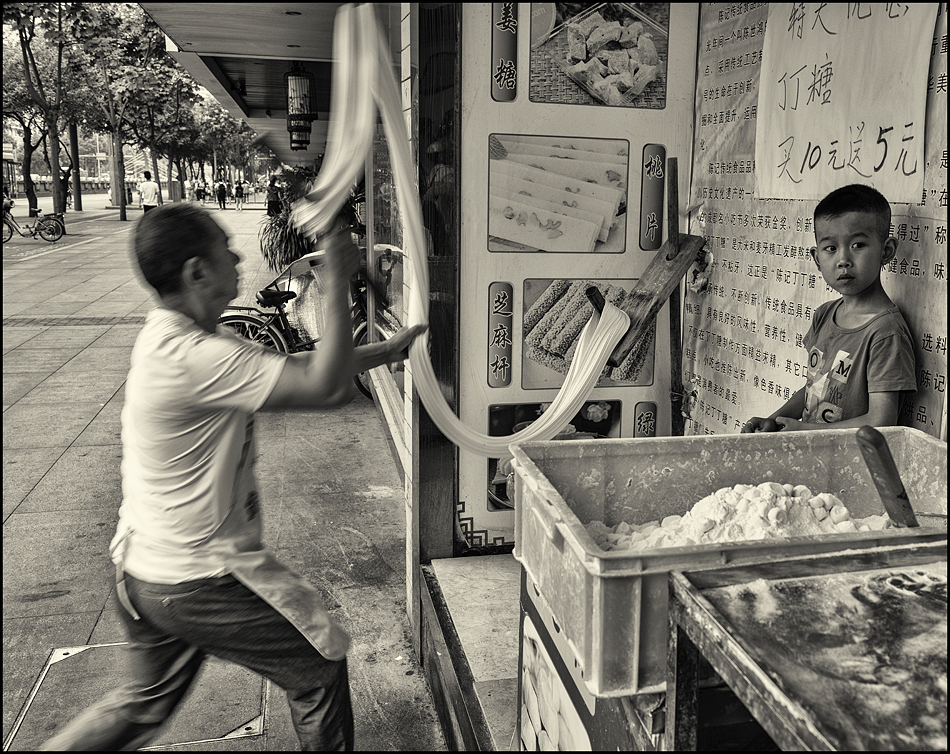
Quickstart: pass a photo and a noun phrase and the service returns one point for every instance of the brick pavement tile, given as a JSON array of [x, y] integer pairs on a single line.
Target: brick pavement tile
[[107, 307], [106, 428], [71, 382], [46, 307], [57, 337], [22, 471], [46, 425], [109, 627], [38, 359], [27, 643], [117, 336], [54, 565], [39, 291], [15, 338], [106, 359], [17, 384], [11, 308], [83, 478]]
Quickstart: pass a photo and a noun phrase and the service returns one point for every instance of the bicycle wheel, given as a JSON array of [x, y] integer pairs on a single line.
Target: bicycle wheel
[[256, 330], [7, 231], [360, 338], [49, 230]]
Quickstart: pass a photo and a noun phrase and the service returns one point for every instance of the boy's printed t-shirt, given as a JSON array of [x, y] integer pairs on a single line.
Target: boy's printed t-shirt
[[189, 497], [844, 365]]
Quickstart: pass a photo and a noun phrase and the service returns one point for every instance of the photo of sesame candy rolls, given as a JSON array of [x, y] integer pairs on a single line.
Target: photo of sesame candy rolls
[[544, 303], [632, 366], [574, 303]]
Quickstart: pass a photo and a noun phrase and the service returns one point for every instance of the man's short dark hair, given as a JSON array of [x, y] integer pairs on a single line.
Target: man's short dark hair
[[148, 175], [166, 238], [857, 198]]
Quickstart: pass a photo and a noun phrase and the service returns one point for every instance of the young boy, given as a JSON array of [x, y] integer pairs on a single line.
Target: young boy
[[860, 350]]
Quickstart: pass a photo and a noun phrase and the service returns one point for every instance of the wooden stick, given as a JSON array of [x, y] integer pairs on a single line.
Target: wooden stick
[[596, 298]]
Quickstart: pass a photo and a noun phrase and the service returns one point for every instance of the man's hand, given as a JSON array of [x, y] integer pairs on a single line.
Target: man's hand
[[400, 342], [758, 424], [390, 351]]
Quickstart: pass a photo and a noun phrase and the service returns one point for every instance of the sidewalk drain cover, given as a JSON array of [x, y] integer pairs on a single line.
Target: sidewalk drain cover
[[224, 702]]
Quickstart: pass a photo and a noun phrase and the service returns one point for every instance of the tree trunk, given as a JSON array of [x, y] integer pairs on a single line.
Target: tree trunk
[[28, 186], [169, 180], [118, 175], [182, 177], [74, 158], [59, 194], [158, 176]]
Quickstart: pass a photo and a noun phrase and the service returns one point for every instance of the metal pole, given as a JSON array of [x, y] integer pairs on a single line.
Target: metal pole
[[677, 422]]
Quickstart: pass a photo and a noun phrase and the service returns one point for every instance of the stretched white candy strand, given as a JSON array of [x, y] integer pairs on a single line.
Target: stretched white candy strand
[[362, 73]]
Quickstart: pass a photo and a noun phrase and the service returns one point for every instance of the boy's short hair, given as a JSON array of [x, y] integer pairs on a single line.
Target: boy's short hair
[[857, 198], [166, 238], [148, 175]]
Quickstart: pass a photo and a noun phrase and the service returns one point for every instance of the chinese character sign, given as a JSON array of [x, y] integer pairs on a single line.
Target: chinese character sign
[[504, 44], [842, 99], [500, 318], [653, 182]]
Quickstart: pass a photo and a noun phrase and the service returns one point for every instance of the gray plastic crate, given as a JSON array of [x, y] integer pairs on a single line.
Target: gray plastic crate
[[612, 606]]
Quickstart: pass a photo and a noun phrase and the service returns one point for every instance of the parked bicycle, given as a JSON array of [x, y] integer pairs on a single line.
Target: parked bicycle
[[46, 227], [274, 329]]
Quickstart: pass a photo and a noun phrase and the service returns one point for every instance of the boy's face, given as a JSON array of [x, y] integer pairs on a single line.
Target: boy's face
[[850, 252]]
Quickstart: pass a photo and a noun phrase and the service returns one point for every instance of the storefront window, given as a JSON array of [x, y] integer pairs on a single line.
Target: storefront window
[[387, 260]]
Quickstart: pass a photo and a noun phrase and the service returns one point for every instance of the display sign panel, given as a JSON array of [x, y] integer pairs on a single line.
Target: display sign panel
[[557, 189]]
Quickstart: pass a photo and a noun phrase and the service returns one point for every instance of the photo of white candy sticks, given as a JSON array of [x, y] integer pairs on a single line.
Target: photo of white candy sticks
[[557, 194]]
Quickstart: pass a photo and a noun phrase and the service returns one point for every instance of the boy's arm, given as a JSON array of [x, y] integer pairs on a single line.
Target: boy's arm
[[794, 406], [883, 411]]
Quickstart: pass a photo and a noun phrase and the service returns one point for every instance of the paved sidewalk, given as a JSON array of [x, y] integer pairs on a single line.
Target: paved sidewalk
[[333, 501]]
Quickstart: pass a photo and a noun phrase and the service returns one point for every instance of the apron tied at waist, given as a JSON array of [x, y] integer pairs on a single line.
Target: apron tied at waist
[[292, 596]]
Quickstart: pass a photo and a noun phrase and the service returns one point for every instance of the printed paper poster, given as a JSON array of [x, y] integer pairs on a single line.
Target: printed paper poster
[[842, 99]]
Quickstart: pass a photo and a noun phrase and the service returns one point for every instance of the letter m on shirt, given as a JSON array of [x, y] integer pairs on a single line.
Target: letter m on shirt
[[841, 367]]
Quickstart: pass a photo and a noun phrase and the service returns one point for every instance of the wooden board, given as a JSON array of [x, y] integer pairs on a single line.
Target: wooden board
[[653, 289], [842, 653]]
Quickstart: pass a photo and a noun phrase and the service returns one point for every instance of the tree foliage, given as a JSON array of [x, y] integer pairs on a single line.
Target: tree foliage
[[44, 33]]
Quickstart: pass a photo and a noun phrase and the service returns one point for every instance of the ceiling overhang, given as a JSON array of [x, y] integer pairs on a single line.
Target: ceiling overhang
[[240, 52]]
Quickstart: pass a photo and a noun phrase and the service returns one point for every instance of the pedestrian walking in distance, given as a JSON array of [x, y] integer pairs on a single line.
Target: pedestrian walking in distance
[[193, 577], [148, 193], [273, 197], [239, 196], [222, 194]]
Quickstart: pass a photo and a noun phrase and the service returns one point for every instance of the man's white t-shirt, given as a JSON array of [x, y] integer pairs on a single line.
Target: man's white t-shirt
[[149, 192], [189, 497]]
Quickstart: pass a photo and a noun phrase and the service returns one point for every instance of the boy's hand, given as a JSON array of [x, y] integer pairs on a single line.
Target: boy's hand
[[758, 424], [400, 342], [789, 424]]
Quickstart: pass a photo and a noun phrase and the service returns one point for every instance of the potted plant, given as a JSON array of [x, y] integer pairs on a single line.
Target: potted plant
[[282, 245]]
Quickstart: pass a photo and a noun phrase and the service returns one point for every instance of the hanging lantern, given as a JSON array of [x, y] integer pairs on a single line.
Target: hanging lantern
[[301, 105], [300, 140]]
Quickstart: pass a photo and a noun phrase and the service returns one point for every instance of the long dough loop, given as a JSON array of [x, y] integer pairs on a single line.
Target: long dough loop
[[363, 79]]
